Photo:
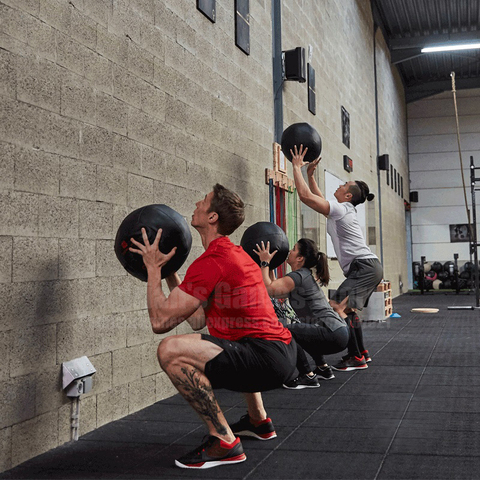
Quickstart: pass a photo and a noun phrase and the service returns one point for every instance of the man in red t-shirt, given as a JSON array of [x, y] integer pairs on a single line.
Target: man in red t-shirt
[[248, 349]]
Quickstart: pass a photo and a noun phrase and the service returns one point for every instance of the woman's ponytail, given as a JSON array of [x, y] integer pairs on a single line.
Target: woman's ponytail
[[314, 258], [322, 270]]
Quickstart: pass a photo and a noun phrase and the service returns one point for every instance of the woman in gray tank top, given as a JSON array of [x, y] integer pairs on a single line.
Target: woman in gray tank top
[[321, 331]]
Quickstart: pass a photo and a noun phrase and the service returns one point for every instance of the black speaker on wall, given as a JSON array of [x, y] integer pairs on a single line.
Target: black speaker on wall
[[294, 62], [413, 197], [383, 162]]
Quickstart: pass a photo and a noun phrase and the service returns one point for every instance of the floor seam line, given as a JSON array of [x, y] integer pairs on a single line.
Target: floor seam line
[[319, 407], [150, 455], [382, 462], [298, 426]]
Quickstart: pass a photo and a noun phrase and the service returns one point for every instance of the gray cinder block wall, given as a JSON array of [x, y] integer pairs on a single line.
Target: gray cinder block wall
[[392, 135], [110, 105]]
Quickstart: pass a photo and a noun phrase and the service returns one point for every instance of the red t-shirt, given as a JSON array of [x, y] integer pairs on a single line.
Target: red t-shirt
[[238, 303]]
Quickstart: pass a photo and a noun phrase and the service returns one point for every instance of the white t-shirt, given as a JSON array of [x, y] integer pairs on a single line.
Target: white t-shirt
[[346, 234]]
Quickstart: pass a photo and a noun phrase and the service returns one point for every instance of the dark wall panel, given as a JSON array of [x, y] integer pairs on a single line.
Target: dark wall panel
[[242, 25]]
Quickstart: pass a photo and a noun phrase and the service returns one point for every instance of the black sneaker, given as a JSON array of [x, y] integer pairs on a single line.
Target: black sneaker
[[213, 453], [367, 356], [303, 381], [244, 427], [324, 373], [351, 363]]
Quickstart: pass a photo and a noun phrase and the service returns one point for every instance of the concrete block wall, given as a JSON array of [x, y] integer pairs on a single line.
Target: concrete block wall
[[436, 172], [392, 141], [109, 105]]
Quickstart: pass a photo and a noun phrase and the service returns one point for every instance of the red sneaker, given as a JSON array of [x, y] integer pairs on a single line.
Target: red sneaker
[[351, 363], [367, 356], [262, 431], [213, 453]]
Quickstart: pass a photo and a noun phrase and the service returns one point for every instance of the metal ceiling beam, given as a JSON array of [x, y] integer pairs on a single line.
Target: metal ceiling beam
[[430, 23], [414, 96], [432, 40], [426, 89], [404, 54]]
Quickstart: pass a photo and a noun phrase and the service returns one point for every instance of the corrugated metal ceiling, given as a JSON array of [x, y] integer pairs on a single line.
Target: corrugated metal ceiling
[[410, 25]]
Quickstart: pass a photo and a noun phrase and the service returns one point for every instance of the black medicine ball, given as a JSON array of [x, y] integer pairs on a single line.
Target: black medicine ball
[[466, 274], [428, 285], [468, 267], [449, 267], [175, 233], [266, 232], [301, 134], [443, 276], [447, 284], [437, 267]]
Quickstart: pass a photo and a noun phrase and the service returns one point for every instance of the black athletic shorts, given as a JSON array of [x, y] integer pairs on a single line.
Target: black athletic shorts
[[251, 364], [362, 279]]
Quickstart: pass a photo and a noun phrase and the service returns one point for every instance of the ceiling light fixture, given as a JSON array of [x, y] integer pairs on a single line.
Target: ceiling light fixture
[[449, 48]]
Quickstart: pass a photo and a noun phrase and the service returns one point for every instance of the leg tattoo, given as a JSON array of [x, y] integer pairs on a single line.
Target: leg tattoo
[[200, 396]]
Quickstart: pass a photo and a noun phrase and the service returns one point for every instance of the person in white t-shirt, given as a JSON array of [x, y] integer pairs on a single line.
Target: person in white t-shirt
[[361, 267]]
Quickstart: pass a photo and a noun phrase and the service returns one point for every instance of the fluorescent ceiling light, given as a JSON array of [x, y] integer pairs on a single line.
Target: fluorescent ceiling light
[[449, 48]]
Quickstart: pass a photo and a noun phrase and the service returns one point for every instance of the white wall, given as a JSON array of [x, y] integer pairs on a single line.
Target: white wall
[[436, 174]]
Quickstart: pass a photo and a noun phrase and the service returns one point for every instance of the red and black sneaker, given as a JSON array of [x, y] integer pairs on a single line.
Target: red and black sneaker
[[351, 363], [263, 430], [213, 453], [367, 356]]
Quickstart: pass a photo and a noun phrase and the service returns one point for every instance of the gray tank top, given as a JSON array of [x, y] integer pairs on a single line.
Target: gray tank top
[[310, 303]]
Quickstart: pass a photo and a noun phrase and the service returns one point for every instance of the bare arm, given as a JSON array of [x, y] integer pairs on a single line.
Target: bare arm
[[165, 313], [311, 178], [173, 281], [197, 319], [314, 201], [279, 288]]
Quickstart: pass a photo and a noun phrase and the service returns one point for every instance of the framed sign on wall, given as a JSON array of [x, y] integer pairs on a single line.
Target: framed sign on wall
[[345, 127], [459, 232]]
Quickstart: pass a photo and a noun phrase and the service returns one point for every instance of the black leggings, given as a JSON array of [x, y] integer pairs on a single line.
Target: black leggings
[[317, 341]]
